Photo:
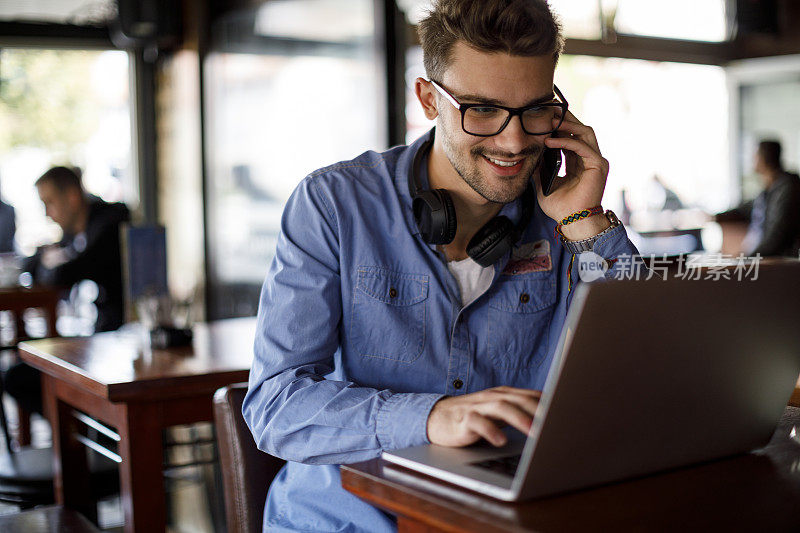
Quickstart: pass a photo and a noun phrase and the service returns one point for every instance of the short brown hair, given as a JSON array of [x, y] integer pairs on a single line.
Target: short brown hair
[[771, 154], [517, 27], [62, 178]]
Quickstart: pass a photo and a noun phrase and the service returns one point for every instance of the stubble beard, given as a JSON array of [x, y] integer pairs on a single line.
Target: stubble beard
[[467, 167]]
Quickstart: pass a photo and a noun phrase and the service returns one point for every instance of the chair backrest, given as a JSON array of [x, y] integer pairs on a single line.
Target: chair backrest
[[246, 471]]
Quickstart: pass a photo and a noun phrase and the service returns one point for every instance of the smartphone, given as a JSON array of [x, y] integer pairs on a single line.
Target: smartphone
[[551, 164]]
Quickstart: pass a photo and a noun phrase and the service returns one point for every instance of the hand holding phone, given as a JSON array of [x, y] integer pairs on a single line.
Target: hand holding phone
[[583, 183]]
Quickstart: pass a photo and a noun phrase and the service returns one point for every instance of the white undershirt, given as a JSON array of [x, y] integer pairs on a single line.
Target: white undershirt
[[473, 279]]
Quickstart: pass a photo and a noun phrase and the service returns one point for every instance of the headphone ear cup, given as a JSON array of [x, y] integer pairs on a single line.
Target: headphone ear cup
[[491, 242], [435, 216]]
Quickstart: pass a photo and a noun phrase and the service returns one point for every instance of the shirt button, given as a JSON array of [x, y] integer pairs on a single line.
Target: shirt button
[[458, 384], [392, 293], [524, 298]]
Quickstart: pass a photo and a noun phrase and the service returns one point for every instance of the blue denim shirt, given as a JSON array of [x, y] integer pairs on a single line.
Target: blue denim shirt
[[361, 330]]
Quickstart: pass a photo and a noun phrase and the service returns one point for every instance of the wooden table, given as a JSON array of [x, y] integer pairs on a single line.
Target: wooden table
[[47, 518], [753, 492], [110, 378]]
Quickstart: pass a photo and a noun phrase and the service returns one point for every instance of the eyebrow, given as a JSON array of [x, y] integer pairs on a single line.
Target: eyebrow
[[474, 98]]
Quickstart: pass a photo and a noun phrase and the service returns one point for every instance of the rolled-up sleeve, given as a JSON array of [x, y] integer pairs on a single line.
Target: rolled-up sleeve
[[293, 411], [622, 256]]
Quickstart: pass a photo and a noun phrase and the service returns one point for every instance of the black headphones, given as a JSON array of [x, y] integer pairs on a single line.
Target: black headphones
[[435, 216]]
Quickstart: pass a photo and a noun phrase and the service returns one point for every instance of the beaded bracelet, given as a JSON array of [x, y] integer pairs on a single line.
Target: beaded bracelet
[[578, 215]]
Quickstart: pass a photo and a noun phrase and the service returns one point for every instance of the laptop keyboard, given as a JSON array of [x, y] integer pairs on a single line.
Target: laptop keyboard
[[503, 465]]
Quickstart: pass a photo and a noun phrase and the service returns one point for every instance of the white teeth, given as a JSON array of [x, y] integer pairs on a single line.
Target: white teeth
[[502, 163]]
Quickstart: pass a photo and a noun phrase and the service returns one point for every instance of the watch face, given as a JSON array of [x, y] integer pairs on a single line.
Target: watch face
[[612, 217]]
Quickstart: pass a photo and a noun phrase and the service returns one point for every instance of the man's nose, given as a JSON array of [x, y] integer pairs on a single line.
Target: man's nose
[[513, 138]]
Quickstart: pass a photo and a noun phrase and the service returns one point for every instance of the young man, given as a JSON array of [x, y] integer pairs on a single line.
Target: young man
[[774, 215], [90, 247], [377, 329]]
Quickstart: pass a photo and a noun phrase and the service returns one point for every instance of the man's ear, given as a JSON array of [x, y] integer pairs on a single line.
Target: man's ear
[[426, 94]]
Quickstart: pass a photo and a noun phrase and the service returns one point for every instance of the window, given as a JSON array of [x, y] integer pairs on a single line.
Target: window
[[290, 87], [63, 107], [654, 118], [696, 20]]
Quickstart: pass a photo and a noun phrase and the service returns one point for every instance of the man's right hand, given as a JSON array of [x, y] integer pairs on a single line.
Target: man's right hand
[[53, 256], [463, 420]]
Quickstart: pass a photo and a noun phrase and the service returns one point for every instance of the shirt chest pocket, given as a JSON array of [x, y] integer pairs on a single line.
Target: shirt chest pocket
[[388, 316], [520, 314]]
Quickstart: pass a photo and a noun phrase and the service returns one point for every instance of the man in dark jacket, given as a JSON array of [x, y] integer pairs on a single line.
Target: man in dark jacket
[[774, 215], [89, 250], [90, 247]]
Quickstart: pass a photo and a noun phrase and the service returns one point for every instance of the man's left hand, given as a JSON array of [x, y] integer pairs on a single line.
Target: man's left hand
[[585, 180]]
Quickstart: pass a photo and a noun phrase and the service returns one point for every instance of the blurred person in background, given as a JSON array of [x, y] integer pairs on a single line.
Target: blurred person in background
[[88, 250], [8, 227], [661, 197], [774, 215]]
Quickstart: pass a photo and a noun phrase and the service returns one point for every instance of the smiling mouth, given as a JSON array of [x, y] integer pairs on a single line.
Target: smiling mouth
[[501, 163]]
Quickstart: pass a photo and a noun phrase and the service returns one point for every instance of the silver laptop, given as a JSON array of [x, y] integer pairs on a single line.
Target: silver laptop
[[647, 376]]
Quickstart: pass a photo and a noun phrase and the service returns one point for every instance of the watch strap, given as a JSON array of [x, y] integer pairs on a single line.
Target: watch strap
[[587, 245]]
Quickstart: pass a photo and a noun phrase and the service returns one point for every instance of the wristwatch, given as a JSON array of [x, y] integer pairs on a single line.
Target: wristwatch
[[586, 245]]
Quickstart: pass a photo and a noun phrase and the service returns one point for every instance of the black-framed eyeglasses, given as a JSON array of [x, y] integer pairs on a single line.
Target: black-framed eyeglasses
[[486, 120]]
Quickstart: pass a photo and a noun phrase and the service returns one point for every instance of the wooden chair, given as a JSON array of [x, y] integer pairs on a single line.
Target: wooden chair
[[17, 300], [246, 471], [26, 474]]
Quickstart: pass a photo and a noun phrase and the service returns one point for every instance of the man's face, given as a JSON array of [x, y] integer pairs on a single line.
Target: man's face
[[512, 81], [59, 206], [760, 166]]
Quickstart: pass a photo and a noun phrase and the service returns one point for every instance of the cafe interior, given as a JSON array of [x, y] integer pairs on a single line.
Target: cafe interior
[[198, 119]]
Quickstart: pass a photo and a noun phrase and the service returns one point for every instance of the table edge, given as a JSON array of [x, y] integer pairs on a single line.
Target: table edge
[[58, 368]]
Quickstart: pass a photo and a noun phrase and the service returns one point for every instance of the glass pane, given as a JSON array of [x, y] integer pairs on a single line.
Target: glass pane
[[280, 106], [647, 116], [311, 19], [698, 20], [63, 107], [80, 12], [580, 19]]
